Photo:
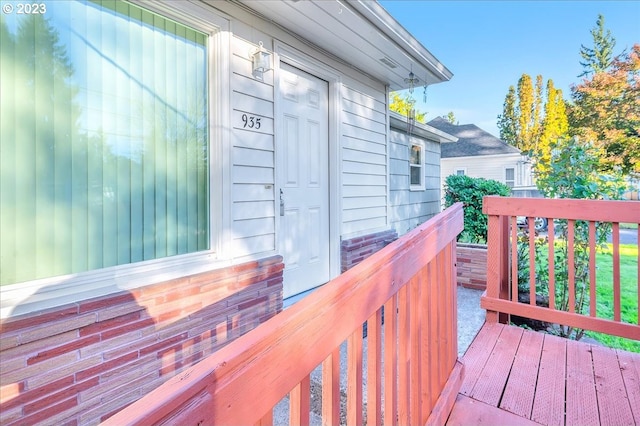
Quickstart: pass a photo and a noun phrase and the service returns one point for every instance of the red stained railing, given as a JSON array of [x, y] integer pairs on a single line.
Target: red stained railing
[[501, 298], [411, 282]]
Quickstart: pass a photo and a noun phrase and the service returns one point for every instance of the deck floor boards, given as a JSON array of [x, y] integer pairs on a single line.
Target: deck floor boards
[[521, 387], [547, 380], [630, 367], [582, 402], [612, 394], [490, 384], [548, 403]]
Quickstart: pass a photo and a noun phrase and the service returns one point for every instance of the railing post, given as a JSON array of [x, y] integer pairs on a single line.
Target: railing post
[[497, 263]]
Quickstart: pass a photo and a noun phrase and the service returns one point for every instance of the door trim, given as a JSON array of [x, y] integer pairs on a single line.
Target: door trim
[[295, 58]]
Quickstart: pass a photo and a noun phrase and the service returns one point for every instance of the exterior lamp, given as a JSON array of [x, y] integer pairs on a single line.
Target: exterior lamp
[[261, 60]]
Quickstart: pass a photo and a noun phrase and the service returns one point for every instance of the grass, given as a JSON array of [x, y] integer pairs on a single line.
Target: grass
[[628, 290]]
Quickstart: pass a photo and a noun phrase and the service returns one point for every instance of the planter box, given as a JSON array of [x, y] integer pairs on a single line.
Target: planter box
[[472, 265]]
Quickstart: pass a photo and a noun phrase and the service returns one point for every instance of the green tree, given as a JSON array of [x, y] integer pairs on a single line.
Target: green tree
[[573, 172], [606, 111], [598, 58], [529, 120], [555, 124], [525, 115], [451, 118], [507, 122], [406, 106]]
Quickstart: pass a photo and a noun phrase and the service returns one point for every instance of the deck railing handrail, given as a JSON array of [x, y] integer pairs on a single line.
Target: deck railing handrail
[[413, 279], [501, 297]]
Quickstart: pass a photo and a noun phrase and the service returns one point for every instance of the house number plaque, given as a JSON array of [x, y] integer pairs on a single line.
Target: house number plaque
[[250, 122]]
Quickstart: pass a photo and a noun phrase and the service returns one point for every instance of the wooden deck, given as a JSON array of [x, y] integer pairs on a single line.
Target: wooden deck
[[517, 376]]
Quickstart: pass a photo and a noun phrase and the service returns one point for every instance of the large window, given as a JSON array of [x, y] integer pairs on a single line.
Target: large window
[[104, 145]]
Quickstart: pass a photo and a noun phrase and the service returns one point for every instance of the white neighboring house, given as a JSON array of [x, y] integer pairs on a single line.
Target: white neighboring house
[[478, 153]]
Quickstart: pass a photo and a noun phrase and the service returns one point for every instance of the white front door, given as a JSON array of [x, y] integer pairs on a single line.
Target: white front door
[[303, 177]]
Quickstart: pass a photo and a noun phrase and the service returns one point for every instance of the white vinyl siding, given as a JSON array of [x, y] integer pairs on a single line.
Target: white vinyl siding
[[409, 208], [364, 160], [485, 166], [252, 165]]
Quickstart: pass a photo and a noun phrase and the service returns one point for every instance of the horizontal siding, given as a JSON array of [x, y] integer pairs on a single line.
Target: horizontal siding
[[486, 167], [364, 160], [364, 191], [253, 210], [408, 208], [365, 145], [252, 157]]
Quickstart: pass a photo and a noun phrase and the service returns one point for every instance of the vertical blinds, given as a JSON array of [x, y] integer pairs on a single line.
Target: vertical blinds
[[103, 144]]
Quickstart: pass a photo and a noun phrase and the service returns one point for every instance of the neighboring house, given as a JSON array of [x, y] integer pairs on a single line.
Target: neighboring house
[[478, 153], [171, 171]]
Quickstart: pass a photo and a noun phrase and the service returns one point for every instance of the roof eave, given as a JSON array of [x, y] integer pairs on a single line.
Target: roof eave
[[399, 122], [424, 61]]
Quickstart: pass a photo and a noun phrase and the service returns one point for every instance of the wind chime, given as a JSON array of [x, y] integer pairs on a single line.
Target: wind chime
[[413, 81]]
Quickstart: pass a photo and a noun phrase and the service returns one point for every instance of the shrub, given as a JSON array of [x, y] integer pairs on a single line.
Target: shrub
[[470, 191], [573, 172]]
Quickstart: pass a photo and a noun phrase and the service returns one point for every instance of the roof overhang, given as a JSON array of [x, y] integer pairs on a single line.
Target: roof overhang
[[420, 129], [360, 33]]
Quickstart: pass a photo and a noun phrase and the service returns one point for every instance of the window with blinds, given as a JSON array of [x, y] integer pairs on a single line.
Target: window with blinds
[[104, 139]]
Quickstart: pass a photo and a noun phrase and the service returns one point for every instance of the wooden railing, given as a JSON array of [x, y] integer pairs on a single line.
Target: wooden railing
[[406, 293], [501, 297]]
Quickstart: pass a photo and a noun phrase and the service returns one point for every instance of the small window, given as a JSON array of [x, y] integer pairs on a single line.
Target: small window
[[416, 167], [461, 172], [510, 177]]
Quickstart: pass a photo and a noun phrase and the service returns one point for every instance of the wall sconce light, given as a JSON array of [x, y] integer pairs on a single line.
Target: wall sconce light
[[261, 60]]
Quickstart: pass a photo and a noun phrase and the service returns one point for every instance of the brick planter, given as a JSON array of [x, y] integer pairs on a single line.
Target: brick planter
[[472, 265], [83, 362], [357, 249]]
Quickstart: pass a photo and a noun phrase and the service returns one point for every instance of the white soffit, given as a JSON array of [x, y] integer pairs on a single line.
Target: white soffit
[[359, 32]]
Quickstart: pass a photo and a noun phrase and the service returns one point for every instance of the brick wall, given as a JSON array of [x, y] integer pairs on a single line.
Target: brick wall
[[472, 266], [357, 249], [83, 362]]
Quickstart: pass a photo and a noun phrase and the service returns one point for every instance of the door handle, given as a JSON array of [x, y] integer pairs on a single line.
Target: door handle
[[281, 203]]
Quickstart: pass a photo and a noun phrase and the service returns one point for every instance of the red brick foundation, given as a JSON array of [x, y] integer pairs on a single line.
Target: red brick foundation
[[357, 249], [83, 362], [472, 266]]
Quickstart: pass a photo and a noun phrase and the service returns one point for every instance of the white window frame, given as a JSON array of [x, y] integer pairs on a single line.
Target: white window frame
[[420, 166], [460, 169], [506, 181], [47, 293]]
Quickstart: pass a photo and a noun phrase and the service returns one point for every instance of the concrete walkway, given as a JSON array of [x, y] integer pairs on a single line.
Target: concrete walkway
[[470, 319]]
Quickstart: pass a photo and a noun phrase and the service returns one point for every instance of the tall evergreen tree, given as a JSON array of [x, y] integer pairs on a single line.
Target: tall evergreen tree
[[525, 112], [507, 122], [531, 121], [555, 124], [600, 57]]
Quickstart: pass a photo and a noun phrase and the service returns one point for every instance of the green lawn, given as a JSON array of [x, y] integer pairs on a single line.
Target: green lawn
[[629, 294]]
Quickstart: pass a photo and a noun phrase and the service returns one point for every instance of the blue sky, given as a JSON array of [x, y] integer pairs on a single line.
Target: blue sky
[[488, 45]]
